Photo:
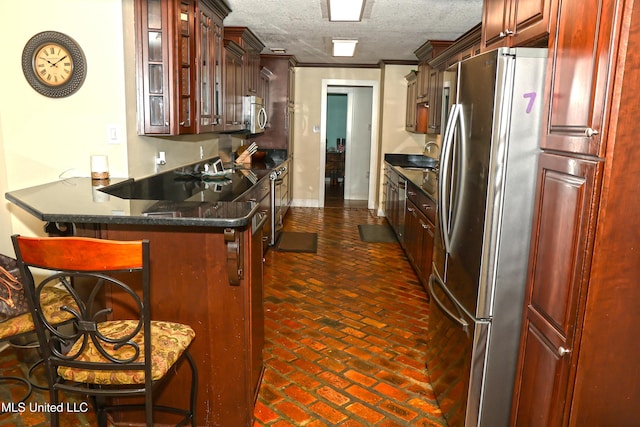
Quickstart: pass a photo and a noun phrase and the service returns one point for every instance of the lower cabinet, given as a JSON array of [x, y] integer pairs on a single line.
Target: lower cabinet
[[562, 238], [419, 232]]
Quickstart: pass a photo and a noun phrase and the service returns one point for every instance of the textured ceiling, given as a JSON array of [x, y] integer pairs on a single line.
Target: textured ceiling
[[390, 29]]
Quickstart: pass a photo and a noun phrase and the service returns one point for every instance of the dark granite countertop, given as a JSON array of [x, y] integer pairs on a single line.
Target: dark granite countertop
[[406, 165], [169, 198]]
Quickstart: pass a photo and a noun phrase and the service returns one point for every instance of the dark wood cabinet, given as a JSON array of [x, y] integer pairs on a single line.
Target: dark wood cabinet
[[419, 232], [563, 236], [436, 82], [280, 107], [392, 200], [170, 64], [417, 113], [512, 23], [578, 361], [228, 319], [580, 70], [210, 67], [233, 84], [251, 60]]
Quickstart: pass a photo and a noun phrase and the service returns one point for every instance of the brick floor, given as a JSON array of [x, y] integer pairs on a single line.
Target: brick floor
[[345, 331], [345, 334]]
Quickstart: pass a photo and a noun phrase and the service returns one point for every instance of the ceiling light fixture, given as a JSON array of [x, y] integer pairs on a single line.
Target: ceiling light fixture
[[344, 47], [345, 10]]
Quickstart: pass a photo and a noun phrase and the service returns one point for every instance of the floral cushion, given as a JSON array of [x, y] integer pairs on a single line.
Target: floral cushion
[[51, 299], [168, 341]]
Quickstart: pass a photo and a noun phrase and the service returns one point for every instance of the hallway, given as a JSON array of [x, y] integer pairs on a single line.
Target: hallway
[[345, 331]]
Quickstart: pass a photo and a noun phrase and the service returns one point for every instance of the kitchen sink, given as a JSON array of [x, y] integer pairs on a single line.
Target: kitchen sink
[[411, 161]]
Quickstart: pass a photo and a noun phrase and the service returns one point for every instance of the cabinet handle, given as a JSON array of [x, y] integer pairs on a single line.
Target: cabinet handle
[[412, 193], [590, 132], [563, 351], [426, 206], [425, 226], [410, 209], [506, 33]]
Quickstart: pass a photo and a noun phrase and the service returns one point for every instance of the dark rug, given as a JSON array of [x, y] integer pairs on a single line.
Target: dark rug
[[377, 233], [291, 241]]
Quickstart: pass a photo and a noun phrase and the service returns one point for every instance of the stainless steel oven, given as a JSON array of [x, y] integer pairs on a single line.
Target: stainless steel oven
[[280, 199]]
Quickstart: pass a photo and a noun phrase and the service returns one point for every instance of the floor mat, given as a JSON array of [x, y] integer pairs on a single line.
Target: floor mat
[[291, 241], [377, 233]]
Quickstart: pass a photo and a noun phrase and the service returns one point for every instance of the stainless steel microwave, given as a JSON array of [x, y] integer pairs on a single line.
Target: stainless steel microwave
[[254, 114]]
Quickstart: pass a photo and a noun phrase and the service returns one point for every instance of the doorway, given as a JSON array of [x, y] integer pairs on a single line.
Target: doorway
[[348, 143]]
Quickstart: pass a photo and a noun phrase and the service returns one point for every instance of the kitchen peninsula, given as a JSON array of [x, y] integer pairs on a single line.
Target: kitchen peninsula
[[206, 269]]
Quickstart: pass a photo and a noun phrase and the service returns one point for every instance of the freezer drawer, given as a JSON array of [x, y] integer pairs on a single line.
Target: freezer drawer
[[456, 355]]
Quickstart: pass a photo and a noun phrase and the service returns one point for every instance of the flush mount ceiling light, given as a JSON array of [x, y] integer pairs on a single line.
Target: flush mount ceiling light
[[344, 47], [345, 10]]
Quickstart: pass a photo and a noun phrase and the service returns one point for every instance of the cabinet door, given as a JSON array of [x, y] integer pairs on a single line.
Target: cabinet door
[[154, 100], [233, 81], [530, 21], [558, 265], [411, 105], [436, 82], [412, 234], [495, 18], [186, 54], [578, 77], [515, 22], [422, 93], [210, 57]]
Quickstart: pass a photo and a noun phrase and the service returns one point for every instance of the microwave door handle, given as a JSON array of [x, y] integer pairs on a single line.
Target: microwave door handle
[[443, 173], [262, 118]]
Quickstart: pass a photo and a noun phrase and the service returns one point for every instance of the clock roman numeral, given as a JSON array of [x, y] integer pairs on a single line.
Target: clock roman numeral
[[43, 71]]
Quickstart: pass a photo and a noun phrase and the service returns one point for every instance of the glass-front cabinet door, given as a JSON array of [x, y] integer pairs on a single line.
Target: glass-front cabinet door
[[210, 70], [180, 70], [154, 101]]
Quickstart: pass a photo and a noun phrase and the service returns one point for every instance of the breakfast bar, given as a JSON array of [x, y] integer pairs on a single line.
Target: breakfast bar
[[206, 271]]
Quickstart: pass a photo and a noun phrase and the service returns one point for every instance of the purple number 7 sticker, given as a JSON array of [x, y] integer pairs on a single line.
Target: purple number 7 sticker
[[532, 99]]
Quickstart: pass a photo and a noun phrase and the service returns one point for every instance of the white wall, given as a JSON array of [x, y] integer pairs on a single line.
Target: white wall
[[45, 138]]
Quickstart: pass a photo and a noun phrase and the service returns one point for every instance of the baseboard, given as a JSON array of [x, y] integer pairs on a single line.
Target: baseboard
[[305, 203]]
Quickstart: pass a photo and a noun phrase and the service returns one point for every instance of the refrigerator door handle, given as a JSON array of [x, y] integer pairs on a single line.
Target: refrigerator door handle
[[460, 321], [443, 194]]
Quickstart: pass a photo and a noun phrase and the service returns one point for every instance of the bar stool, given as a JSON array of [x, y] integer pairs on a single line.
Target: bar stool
[[53, 299], [115, 351]]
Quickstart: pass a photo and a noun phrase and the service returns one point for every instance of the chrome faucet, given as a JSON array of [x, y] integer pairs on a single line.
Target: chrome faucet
[[430, 144]]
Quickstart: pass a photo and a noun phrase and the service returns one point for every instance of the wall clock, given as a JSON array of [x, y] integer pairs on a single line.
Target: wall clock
[[53, 64]]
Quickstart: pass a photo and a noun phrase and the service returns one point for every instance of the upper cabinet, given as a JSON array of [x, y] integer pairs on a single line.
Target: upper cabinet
[[209, 58], [179, 48], [511, 23], [233, 83], [425, 87], [251, 59], [577, 81], [278, 74]]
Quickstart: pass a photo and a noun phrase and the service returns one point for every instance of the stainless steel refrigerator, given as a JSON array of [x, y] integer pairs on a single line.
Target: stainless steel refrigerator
[[486, 186]]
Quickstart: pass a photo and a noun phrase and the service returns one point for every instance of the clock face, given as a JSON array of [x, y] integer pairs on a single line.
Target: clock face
[[53, 64]]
